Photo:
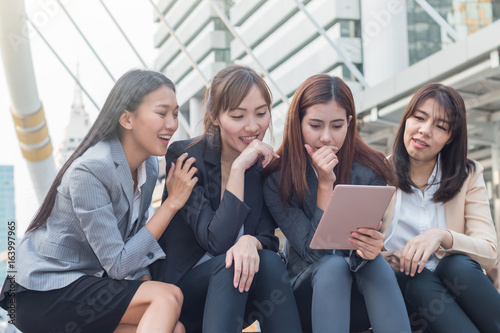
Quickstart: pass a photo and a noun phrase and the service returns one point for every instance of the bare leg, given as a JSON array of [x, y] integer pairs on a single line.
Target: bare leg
[[126, 328], [179, 328], [155, 307]]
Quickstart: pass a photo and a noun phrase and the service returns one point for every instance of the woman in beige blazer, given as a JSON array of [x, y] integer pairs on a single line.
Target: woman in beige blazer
[[438, 229]]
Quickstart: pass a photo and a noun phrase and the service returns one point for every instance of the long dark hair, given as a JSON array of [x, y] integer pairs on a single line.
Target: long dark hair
[[228, 89], [321, 89], [455, 166], [127, 93]]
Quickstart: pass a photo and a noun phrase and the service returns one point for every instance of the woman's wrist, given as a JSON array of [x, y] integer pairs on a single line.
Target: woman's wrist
[[255, 241], [446, 239], [326, 186], [171, 204], [237, 168]]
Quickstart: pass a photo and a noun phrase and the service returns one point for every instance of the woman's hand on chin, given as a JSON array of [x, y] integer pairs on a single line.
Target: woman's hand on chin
[[252, 153], [324, 160]]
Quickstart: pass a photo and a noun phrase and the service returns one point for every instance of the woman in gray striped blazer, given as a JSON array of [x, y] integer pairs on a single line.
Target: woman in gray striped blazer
[[90, 233]]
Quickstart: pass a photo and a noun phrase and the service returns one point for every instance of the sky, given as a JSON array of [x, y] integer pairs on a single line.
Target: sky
[[56, 86]]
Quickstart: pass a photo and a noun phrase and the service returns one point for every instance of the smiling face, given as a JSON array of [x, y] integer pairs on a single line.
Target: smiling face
[[325, 124], [154, 122], [427, 131], [249, 121]]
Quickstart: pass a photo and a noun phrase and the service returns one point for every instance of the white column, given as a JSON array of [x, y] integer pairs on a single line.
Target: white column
[[495, 168], [196, 114], [385, 39], [27, 110]]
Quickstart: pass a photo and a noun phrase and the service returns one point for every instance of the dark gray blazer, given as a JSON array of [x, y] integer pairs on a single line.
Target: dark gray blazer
[[88, 229], [206, 223], [298, 222]]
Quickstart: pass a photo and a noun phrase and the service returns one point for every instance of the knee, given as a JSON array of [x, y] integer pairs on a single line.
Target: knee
[[271, 267], [170, 294], [179, 328], [455, 265], [418, 289], [329, 269], [270, 260]]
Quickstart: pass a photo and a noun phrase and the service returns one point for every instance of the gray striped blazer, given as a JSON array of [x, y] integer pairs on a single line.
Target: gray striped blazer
[[88, 229]]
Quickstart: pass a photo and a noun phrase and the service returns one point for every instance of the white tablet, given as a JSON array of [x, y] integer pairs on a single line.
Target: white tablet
[[350, 207]]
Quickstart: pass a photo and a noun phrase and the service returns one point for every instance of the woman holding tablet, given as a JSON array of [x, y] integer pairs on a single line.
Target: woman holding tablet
[[221, 248], [440, 233], [321, 148], [90, 233]]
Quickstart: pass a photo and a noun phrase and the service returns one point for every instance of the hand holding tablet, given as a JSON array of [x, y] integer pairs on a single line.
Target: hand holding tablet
[[350, 207]]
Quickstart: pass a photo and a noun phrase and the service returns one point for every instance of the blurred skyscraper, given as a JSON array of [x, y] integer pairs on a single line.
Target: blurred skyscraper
[[77, 128]]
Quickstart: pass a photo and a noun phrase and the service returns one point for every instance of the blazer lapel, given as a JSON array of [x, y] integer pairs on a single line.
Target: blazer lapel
[[123, 174], [312, 183], [212, 156], [144, 198], [253, 199]]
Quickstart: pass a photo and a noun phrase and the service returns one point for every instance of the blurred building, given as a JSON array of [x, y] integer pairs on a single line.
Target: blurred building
[[384, 50], [75, 131], [294, 39]]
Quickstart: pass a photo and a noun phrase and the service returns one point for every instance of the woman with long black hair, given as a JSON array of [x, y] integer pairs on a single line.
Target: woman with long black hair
[[90, 234]]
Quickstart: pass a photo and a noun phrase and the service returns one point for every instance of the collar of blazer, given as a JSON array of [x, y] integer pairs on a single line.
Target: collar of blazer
[[123, 171], [213, 149], [311, 191]]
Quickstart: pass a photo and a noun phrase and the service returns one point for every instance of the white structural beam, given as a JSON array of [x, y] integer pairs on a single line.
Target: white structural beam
[[495, 168], [248, 50], [184, 123], [27, 111], [61, 61], [123, 34], [349, 64], [181, 45], [86, 40], [439, 19]]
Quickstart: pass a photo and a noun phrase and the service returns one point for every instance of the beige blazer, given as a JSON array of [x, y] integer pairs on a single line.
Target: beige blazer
[[469, 220]]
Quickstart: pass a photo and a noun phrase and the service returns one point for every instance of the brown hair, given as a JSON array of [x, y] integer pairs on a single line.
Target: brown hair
[[321, 89], [454, 162], [228, 89]]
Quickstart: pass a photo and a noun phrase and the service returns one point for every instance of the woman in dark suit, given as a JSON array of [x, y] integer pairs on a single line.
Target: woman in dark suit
[[221, 248], [90, 233], [321, 148]]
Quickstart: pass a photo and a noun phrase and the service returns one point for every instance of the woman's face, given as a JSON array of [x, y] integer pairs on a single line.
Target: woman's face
[[249, 121], [325, 125], [427, 131], [155, 121]]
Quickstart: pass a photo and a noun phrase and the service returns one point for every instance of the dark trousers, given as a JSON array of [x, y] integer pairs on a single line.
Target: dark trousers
[[457, 297], [332, 298], [213, 305]]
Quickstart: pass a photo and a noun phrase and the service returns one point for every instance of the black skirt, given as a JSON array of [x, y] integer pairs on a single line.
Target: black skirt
[[89, 304]]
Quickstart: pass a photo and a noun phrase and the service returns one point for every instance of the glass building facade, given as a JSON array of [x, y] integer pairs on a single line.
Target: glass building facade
[[426, 37]]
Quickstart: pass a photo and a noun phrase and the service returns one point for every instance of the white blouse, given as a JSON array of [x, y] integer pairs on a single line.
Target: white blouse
[[415, 213]]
